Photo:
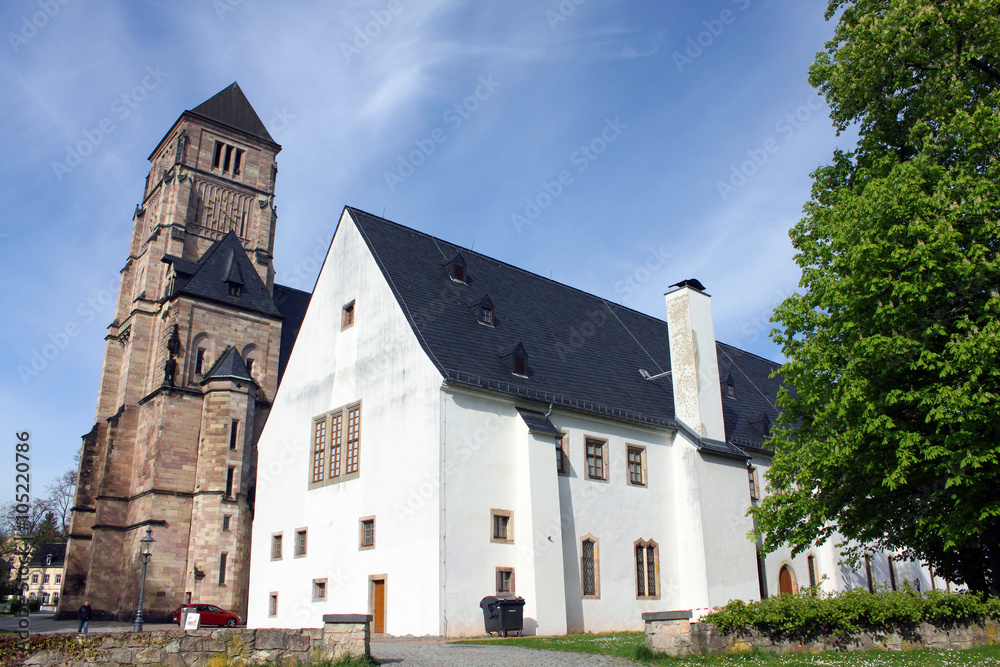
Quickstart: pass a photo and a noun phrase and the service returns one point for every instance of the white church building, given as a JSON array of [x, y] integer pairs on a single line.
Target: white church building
[[451, 427]]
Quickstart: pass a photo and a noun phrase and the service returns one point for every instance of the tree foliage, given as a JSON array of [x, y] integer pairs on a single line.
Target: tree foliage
[[890, 436]]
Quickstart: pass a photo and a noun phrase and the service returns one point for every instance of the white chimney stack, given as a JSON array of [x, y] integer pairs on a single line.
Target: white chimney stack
[[693, 360]]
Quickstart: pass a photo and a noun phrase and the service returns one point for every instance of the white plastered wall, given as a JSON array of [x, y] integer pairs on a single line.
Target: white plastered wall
[[379, 362]]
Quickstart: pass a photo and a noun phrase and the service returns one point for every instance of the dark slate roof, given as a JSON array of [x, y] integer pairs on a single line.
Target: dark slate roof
[[207, 278], [230, 107], [55, 549], [751, 412], [293, 304], [537, 422], [583, 352], [230, 366]]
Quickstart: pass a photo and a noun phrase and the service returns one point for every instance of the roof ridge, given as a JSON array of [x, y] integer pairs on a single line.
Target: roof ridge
[[508, 265], [740, 349]]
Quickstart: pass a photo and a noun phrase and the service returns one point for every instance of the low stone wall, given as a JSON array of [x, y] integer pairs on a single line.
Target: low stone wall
[[673, 633], [340, 636]]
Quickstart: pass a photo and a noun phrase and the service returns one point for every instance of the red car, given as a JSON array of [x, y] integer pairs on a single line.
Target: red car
[[210, 615]]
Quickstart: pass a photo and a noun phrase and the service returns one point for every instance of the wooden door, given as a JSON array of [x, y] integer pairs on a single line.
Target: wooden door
[[378, 605], [785, 581]]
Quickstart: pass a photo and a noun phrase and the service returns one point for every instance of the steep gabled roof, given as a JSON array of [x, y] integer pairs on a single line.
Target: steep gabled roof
[[209, 278], [582, 351], [231, 107], [230, 366]]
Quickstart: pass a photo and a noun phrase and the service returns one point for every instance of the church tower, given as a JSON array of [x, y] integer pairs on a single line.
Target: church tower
[[192, 362]]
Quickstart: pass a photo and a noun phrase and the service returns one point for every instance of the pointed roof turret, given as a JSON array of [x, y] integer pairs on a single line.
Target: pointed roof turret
[[230, 366], [231, 107]]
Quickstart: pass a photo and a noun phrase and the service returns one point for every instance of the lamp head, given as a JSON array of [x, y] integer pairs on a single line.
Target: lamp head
[[146, 543]]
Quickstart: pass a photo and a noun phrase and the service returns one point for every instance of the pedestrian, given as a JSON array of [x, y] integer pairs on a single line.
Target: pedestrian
[[84, 614]]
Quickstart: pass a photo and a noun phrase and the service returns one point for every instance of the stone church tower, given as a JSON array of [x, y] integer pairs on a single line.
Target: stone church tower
[[192, 362]]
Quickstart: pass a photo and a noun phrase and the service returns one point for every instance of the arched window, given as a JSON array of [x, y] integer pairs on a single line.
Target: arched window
[[201, 356], [590, 569], [250, 359]]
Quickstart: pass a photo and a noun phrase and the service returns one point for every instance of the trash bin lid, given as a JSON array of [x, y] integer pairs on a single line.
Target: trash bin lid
[[510, 601]]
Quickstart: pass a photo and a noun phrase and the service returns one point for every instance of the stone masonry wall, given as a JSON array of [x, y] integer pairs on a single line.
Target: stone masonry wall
[[673, 634], [341, 635]]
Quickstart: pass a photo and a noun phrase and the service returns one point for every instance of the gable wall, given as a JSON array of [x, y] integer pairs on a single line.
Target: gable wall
[[378, 362]]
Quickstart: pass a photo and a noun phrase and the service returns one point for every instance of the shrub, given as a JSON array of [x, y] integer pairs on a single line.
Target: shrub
[[809, 613]]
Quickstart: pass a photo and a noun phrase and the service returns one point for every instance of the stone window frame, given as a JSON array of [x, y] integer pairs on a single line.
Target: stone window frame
[[223, 562], [754, 482], [646, 546], [640, 450], [603, 446], [508, 525], [509, 578], [272, 604], [812, 571], [319, 590], [277, 540], [596, 595], [362, 546], [301, 546], [336, 427], [562, 446], [226, 522]]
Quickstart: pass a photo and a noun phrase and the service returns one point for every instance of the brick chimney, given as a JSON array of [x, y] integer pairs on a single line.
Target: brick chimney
[[693, 361]]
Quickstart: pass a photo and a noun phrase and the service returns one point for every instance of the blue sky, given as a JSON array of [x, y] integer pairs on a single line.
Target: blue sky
[[615, 146]]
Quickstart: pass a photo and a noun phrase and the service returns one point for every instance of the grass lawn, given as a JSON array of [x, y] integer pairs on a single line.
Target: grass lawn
[[630, 645]]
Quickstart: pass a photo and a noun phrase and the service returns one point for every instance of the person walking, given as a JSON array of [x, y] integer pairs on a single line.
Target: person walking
[[84, 614]]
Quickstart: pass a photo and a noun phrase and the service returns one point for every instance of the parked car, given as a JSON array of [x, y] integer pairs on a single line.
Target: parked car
[[210, 615]]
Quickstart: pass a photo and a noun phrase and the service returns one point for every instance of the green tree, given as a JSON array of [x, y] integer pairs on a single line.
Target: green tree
[[891, 435]]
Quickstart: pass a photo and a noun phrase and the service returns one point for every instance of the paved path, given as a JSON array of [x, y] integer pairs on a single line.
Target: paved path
[[435, 652]]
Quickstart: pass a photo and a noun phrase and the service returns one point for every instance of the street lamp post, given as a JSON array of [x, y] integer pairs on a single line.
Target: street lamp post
[[145, 546]]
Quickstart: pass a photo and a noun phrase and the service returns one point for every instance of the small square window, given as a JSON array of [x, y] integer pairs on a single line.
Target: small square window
[[596, 468], [636, 465], [319, 590], [486, 315], [225, 521], [458, 273], [347, 316], [501, 529], [505, 581], [300, 543], [272, 604], [366, 533], [276, 546]]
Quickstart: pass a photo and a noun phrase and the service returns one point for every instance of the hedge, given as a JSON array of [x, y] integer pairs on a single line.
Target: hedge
[[848, 612]]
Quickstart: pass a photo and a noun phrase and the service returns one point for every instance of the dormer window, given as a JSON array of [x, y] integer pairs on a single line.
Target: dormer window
[[234, 288], [730, 387], [234, 278], [516, 359], [484, 311], [456, 268]]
